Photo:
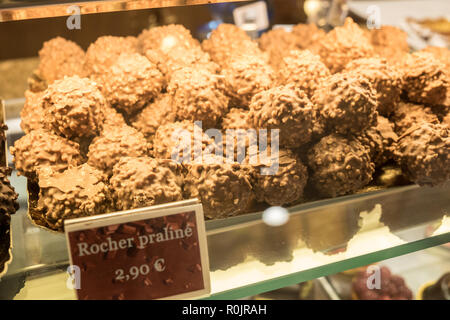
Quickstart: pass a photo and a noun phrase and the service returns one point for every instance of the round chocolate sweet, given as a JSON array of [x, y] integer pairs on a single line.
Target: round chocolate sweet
[[344, 44], [74, 108], [385, 79], [303, 69], [142, 181], [425, 78], [114, 143], [446, 120], [308, 36], [423, 151], [390, 42], [59, 58], [347, 103], [237, 119], [286, 108], [223, 188], [440, 53], [77, 192], [40, 148], [31, 115], [408, 115], [339, 165], [8, 196], [198, 95], [105, 51], [131, 82], [277, 43]]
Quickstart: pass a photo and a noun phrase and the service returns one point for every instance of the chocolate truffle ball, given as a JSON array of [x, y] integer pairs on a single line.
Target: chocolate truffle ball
[[157, 113], [105, 51], [8, 196], [339, 165], [77, 192], [424, 153], [440, 53], [389, 42], [141, 181], [223, 188], [166, 38], [385, 79], [229, 41], [303, 69], [198, 95], [344, 44], [112, 118], [286, 108], [74, 108], [308, 35], [347, 103], [183, 141], [40, 148], [31, 115], [244, 77], [381, 141], [279, 177], [59, 58], [131, 82], [407, 115], [446, 120], [114, 143], [425, 79], [237, 119], [277, 43]]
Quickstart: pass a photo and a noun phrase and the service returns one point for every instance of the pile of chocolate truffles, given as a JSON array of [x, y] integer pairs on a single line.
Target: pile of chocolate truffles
[[109, 129], [8, 206]]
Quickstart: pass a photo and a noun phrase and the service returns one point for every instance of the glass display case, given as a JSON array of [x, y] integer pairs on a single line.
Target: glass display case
[[248, 255]]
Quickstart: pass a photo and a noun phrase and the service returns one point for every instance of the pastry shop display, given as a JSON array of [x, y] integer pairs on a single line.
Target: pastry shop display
[[131, 83], [381, 141], [223, 188], [392, 287], [74, 108], [408, 115], [425, 79], [423, 151], [339, 165], [78, 191], [40, 148], [114, 143], [386, 80], [198, 95], [287, 109], [142, 181], [59, 58], [344, 44], [347, 103], [105, 51], [389, 42]]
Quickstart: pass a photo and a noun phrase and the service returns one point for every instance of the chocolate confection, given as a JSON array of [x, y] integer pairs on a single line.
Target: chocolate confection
[[198, 95], [278, 178], [131, 82], [114, 143], [385, 79], [425, 79], [142, 181], [446, 120], [245, 76], [177, 141], [424, 153], [112, 118], [105, 51], [344, 44], [347, 103], [166, 38], [286, 108], [440, 53], [59, 58], [303, 69], [157, 113], [381, 140], [308, 36], [389, 42], [407, 115], [223, 188], [237, 119], [77, 192], [339, 165], [277, 43], [40, 148], [8, 196], [31, 115], [74, 108], [438, 290], [228, 42]]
